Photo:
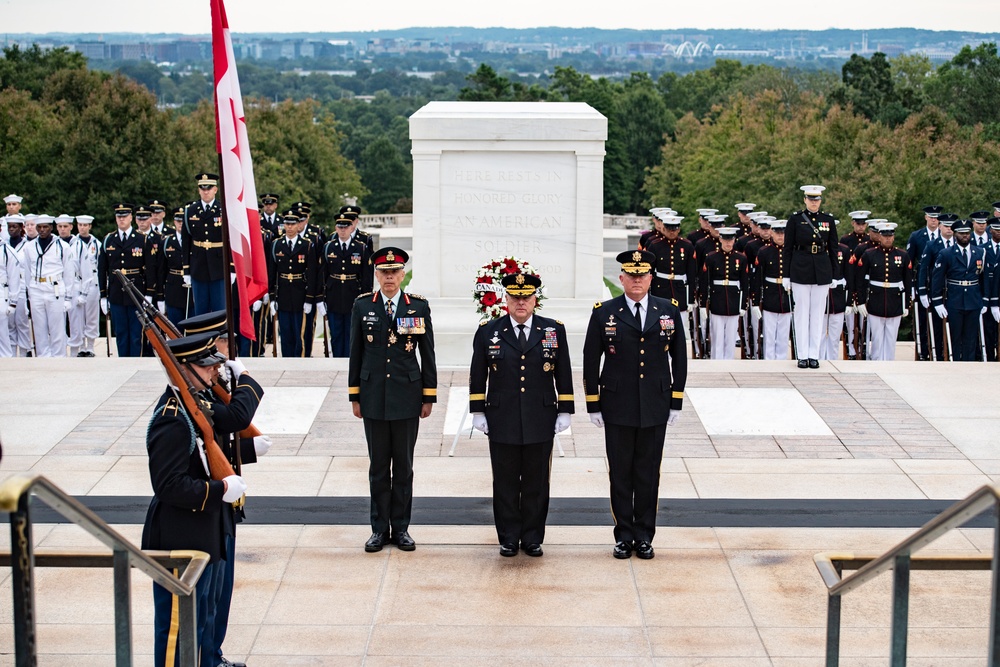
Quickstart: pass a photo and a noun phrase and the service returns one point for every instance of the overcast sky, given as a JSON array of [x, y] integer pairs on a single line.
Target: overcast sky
[[192, 16]]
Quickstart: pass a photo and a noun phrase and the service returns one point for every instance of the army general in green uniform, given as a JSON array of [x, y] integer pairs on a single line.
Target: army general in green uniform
[[391, 390]]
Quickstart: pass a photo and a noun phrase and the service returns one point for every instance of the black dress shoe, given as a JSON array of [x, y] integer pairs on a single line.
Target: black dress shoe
[[803, 363], [508, 549], [376, 542], [533, 550], [230, 663], [813, 363], [622, 550], [81, 354], [404, 542], [644, 550]]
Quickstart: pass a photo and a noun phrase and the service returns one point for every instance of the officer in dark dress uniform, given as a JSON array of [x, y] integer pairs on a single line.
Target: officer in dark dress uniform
[[345, 272], [859, 229], [129, 251], [991, 320], [186, 511], [317, 240], [703, 225], [959, 291], [293, 277], [353, 213], [724, 292], [884, 293], [675, 272], [270, 218], [260, 314], [391, 391], [769, 294], [809, 253], [203, 247], [916, 244], [935, 325], [656, 233], [520, 394], [176, 293], [634, 395]]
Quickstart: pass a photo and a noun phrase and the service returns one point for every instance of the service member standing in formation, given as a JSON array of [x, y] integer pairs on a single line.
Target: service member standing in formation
[[203, 248], [176, 291], [18, 323], [834, 329], [84, 318], [884, 293], [187, 505], [346, 272], [51, 279], [850, 241], [916, 246], [991, 321], [520, 395], [809, 253], [270, 219], [725, 292], [935, 325], [292, 276], [771, 292], [392, 391], [958, 291], [675, 271], [125, 250], [634, 395], [10, 287]]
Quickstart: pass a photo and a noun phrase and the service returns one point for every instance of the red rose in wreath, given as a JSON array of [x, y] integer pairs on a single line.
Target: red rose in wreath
[[489, 299], [510, 266]]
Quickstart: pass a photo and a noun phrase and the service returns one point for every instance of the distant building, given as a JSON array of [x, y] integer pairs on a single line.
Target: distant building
[[92, 50]]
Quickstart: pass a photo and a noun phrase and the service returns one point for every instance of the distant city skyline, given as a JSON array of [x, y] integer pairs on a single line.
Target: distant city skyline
[[260, 16]]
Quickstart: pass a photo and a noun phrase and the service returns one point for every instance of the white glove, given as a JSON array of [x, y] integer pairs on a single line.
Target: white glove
[[266, 299], [187, 281], [597, 419], [672, 417], [148, 299], [704, 314], [232, 278], [321, 309], [995, 311], [257, 306], [68, 305], [941, 311], [743, 312], [274, 308], [849, 310], [104, 305], [787, 286], [162, 307], [235, 488], [307, 308], [261, 444], [236, 367], [479, 422], [562, 421], [755, 313], [906, 312], [863, 310], [983, 311], [11, 308], [925, 301], [81, 300]]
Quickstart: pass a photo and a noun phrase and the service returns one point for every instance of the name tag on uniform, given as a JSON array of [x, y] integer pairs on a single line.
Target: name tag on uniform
[[410, 325], [494, 352]]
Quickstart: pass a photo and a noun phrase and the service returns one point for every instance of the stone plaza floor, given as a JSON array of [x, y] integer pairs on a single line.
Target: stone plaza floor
[[734, 586]]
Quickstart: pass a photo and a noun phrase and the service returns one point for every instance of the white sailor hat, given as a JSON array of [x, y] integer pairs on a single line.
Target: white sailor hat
[[813, 191], [65, 218], [859, 215], [16, 219], [44, 219], [30, 217], [778, 225], [705, 212], [746, 207], [887, 228], [13, 199], [84, 219]]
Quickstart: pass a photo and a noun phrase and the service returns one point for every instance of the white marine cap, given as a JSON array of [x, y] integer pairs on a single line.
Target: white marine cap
[[84, 219], [859, 215], [65, 218], [13, 199], [746, 207], [884, 227], [673, 220], [812, 190], [716, 218], [728, 232], [778, 224], [875, 222], [704, 212], [660, 212], [755, 215]]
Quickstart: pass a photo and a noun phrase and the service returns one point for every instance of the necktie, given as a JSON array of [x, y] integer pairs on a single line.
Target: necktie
[[522, 340], [121, 236], [638, 313], [965, 255], [343, 247], [388, 309]]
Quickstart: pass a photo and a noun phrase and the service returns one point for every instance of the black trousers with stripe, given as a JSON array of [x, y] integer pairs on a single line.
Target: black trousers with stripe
[[634, 456], [390, 471]]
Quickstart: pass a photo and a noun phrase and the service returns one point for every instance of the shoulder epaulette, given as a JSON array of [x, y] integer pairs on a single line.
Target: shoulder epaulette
[[597, 305], [560, 323], [171, 405], [675, 302], [484, 323], [416, 296], [361, 296]]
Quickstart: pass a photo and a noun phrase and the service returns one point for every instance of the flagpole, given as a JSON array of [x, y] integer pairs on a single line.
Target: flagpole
[[227, 257]]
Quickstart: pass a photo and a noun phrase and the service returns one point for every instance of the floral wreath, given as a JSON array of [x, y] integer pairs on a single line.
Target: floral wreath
[[488, 292]]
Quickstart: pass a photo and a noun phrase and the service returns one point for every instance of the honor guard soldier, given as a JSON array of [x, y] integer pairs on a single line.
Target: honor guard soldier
[[176, 291], [935, 325], [186, 511], [520, 395], [884, 295], [675, 269], [292, 275], [317, 239], [345, 273], [18, 323], [270, 219], [125, 250], [634, 372], [703, 225], [202, 246], [708, 244], [392, 391], [859, 229], [51, 279], [154, 263], [959, 293], [64, 229], [754, 234], [838, 338], [916, 245], [725, 293], [656, 233], [980, 238], [991, 321], [770, 293], [260, 312], [353, 213], [13, 204], [743, 211], [809, 253], [10, 287], [84, 317], [159, 210]]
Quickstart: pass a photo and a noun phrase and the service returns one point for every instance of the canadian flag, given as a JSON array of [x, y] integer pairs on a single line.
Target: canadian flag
[[237, 173]]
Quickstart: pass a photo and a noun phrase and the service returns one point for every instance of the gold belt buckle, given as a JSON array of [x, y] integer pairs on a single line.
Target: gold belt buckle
[[779, 280]]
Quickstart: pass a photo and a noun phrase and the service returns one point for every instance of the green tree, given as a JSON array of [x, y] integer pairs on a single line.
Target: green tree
[[28, 69], [968, 87], [384, 175]]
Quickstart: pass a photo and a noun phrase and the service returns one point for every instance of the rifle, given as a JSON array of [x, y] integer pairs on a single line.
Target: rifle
[[741, 330], [107, 327], [696, 339], [326, 345], [932, 353], [982, 338], [947, 338], [169, 331], [863, 343], [760, 336], [843, 339], [274, 333], [918, 352], [197, 408]]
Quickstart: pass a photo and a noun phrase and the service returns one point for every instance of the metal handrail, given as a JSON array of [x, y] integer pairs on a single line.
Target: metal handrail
[[15, 495], [900, 560]]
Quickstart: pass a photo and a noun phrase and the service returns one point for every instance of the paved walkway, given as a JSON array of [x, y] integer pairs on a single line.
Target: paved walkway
[[308, 595]]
